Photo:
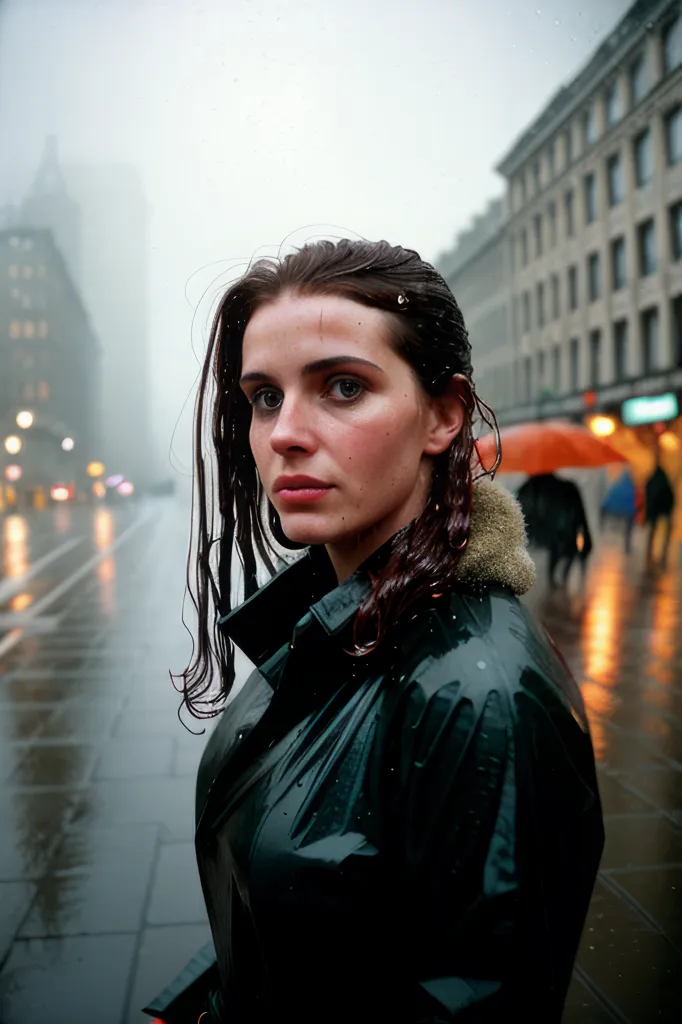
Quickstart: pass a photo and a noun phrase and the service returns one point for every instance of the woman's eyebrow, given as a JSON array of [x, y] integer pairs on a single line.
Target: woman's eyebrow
[[316, 367]]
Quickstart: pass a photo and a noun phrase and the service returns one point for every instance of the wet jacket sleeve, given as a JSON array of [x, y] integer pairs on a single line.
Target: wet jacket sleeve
[[455, 844]]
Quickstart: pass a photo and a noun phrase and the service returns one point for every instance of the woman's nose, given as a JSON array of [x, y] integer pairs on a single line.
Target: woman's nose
[[293, 428]]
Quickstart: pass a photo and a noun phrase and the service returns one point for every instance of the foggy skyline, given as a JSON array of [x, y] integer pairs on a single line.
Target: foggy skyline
[[249, 121]]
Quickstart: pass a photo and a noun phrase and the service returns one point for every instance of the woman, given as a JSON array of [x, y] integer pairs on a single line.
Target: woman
[[397, 816]]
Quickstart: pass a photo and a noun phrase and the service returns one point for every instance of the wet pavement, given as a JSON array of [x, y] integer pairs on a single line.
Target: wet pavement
[[99, 897]]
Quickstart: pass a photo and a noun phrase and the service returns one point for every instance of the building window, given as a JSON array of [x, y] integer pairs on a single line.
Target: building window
[[556, 369], [676, 231], [568, 209], [14, 330], [618, 265], [649, 341], [555, 296], [620, 349], [537, 229], [672, 45], [644, 158], [638, 80], [614, 172], [646, 237], [526, 311], [541, 304], [594, 276], [568, 146], [524, 248], [528, 378], [595, 358], [572, 287], [541, 370], [43, 328], [574, 363], [612, 102], [589, 127], [551, 217], [676, 318], [590, 198], [551, 159], [673, 135], [29, 329], [536, 175]]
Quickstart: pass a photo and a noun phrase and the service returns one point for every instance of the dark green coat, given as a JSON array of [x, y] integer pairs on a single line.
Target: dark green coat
[[410, 836]]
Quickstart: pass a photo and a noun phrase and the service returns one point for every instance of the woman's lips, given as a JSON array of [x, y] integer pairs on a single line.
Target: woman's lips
[[302, 495]]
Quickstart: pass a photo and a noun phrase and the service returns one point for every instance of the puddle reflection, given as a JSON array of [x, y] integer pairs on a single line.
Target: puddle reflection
[[601, 645], [20, 602], [15, 546]]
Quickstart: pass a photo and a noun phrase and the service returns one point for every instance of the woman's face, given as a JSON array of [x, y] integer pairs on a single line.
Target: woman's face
[[341, 431]]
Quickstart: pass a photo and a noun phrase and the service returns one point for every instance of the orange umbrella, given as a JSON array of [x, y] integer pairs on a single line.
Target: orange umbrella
[[544, 447]]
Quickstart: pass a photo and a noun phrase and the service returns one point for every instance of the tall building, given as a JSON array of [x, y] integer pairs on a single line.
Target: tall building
[[475, 270], [100, 220], [50, 367], [594, 237]]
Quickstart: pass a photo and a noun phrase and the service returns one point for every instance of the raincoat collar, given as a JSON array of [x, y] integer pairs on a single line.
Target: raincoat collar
[[297, 595], [307, 591]]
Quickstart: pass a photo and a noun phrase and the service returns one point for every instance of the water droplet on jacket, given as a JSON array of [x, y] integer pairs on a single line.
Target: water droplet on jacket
[[480, 664]]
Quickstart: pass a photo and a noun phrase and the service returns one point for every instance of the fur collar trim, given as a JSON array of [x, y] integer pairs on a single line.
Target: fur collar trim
[[497, 550]]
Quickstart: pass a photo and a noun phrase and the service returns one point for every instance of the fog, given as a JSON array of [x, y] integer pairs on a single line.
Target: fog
[[248, 121]]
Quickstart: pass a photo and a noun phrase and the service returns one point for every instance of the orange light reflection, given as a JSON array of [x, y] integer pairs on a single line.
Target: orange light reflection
[[15, 546]]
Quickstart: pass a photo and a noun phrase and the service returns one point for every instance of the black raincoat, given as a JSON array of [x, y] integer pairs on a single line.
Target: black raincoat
[[408, 837]]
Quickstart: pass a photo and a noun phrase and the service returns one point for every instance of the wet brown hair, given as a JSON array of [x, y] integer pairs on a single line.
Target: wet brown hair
[[428, 331]]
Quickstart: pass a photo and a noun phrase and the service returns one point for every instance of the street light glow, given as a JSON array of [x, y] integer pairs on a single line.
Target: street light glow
[[59, 493], [24, 419], [13, 444], [98, 489], [13, 473], [95, 468], [125, 488], [602, 426], [67, 444]]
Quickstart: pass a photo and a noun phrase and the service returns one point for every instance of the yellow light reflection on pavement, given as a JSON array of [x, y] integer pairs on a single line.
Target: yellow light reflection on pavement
[[15, 546], [106, 575], [602, 639], [20, 602], [104, 528]]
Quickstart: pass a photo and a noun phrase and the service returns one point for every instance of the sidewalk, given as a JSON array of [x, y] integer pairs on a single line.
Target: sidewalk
[[622, 637]]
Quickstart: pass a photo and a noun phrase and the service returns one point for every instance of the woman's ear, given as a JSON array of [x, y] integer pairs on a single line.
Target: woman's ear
[[447, 417]]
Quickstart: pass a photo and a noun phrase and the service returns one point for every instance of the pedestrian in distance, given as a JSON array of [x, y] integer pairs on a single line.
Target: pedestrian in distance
[[623, 503], [556, 520], [398, 817], [659, 498]]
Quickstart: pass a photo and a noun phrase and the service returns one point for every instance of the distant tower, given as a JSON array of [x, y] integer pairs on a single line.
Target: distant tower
[[99, 217], [48, 205]]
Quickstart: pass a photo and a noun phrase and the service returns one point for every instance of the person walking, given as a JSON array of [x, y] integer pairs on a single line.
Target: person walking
[[397, 816], [659, 498], [621, 503]]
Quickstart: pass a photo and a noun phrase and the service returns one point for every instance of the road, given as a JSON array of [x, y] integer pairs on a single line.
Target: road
[[99, 898]]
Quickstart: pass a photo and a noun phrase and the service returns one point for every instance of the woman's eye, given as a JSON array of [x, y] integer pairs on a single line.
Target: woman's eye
[[348, 388], [266, 399]]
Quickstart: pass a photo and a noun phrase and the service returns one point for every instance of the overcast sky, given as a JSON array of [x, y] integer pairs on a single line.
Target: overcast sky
[[250, 119]]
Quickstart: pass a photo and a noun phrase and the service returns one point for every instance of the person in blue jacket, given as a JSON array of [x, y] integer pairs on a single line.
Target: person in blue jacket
[[397, 816], [621, 503]]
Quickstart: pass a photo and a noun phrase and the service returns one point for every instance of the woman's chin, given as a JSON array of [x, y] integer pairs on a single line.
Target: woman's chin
[[310, 529]]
